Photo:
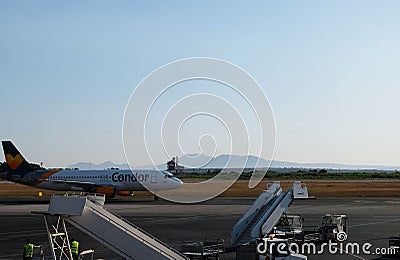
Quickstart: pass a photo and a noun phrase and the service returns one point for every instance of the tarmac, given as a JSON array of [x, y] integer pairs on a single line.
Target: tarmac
[[371, 220]]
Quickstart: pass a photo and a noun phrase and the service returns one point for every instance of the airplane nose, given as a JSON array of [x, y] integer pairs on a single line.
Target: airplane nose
[[178, 183]]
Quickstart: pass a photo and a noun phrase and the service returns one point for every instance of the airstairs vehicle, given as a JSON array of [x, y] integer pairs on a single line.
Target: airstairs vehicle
[[87, 213], [262, 218]]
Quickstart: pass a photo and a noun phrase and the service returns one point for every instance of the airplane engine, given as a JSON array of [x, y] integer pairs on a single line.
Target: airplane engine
[[109, 191], [125, 193]]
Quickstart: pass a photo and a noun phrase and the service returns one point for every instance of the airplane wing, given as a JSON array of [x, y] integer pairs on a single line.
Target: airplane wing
[[85, 185]]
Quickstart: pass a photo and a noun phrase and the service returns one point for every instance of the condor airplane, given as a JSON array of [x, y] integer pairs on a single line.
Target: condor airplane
[[108, 182]]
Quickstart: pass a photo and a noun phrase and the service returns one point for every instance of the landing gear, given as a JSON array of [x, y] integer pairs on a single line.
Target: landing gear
[[155, 198]]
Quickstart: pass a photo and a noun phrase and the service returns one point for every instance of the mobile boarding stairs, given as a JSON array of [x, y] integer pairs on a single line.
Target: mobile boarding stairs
[[260, 219], [87, 213]]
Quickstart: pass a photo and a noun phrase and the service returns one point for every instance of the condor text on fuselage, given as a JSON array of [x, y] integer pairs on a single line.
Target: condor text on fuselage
[[129, 177]]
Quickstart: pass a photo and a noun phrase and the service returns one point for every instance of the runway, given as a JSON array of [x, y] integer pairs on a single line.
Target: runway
[[371, 220]]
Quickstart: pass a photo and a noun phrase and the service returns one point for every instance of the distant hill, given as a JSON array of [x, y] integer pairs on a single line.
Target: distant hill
[[237, 161], [234, 161], [101, 166]]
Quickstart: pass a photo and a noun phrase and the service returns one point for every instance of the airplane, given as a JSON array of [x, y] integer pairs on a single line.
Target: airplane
[[108, 182]]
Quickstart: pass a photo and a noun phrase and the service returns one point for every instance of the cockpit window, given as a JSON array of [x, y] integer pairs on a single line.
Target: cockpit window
[[168, 175]]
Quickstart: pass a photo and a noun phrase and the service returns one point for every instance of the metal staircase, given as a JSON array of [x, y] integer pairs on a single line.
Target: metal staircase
[[264, 214], [244, 237], [125, 239]]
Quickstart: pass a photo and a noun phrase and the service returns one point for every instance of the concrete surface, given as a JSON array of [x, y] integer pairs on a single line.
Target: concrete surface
[[371, 220]]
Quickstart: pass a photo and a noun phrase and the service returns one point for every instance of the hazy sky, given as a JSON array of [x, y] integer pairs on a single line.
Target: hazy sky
[[329, 68]]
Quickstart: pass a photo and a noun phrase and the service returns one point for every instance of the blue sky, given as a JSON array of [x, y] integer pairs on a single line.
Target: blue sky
[[330, 70]]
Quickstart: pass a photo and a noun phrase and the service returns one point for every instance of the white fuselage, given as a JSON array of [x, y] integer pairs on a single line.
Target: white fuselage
[[121, 180]]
